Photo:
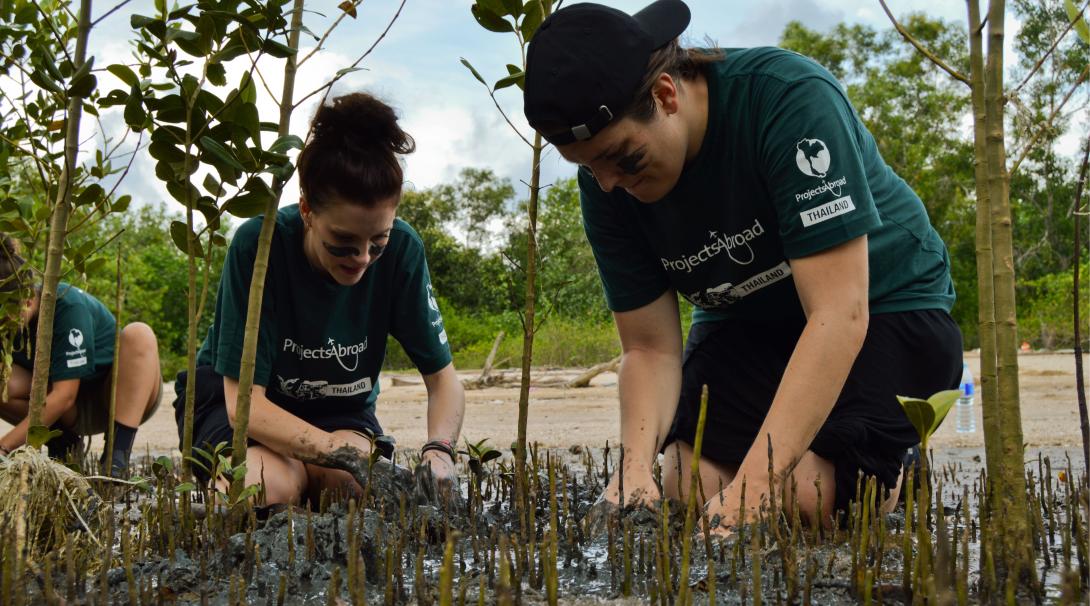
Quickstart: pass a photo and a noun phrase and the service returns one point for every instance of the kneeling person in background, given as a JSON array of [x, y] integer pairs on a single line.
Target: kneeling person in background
[[80, 370]]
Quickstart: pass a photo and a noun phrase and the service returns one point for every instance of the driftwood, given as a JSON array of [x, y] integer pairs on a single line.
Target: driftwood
[[512, 377], [486, 379], [584, 379]]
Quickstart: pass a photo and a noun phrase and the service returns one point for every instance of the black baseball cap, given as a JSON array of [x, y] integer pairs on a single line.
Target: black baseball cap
[[586, 61]]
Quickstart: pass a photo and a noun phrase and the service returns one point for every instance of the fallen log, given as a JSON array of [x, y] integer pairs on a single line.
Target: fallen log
[[584, 379]]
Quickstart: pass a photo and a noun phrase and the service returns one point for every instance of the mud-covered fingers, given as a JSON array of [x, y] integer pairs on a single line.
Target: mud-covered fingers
[[598, 516]]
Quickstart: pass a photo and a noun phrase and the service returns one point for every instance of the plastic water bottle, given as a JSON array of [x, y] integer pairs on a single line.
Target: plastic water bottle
[[966, 419]]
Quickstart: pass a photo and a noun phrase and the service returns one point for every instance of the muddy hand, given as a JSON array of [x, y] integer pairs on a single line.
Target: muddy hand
[[436, 489], [599, 516], [383, 476]]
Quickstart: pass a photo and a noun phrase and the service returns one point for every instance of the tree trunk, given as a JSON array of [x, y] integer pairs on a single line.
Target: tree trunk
[[261, 264], [528, 320], [1080, 382], [1018, 547], [57, 230], [989, 399]]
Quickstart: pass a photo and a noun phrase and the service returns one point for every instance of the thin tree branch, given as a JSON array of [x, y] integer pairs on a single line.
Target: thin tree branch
[[492, 93], [329, 85], [1050, 50], [110, 12], [1048, 123], [60, 41], [329, 31], [923, 51]]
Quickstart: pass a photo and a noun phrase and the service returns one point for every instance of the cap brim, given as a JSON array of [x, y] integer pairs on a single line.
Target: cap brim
[[663, 20]]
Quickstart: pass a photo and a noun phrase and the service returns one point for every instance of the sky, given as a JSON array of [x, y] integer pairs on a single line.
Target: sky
[[416, 69]]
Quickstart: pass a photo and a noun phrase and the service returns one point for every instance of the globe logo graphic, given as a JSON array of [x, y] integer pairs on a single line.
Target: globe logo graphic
[[75, 337], [813, 157]]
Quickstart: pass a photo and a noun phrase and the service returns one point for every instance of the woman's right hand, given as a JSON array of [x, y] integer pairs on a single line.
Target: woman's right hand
[[640, 490]]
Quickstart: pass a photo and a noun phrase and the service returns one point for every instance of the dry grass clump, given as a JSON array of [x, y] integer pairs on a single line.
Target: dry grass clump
[[46, 508]]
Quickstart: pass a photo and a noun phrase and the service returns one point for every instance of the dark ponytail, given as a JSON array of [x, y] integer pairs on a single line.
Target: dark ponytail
[[13, 274], [352, 153]]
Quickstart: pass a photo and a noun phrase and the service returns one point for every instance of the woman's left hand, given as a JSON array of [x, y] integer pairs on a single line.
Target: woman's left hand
[[441, 484], [725, 512]]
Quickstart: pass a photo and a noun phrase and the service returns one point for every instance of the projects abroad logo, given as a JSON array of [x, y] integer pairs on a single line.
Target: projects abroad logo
[[833, 187], [332, 350], [737, 246]]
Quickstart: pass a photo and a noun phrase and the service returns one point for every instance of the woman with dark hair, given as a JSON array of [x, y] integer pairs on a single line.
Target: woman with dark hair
[[80, 369], [343, 274], [744, 181]]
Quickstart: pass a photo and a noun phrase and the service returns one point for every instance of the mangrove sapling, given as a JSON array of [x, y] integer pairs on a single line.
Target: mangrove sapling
[[522, 18]]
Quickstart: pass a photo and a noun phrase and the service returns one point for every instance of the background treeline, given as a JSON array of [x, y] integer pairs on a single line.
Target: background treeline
[[918, 115]]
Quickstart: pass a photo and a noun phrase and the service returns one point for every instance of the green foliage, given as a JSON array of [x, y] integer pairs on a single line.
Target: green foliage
[[1044, 309], [216, 463], [560, 342], [479, 454], [155, 278]]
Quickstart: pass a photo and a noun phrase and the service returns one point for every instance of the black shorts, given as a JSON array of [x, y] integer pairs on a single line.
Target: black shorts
[[913, 353], [211, 426]]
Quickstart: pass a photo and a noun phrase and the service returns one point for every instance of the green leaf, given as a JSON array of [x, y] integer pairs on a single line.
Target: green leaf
[[93, 266], [278, 49], [212, 186], [285, 143], [178, 233], [513, 7], [121, 204], [90, 195], [247, 205], [135, 116], [1079, 21], [491, 454], [474, 71], [38, 435], [124, 73], [490, 20], [535, 14], [347, 70], [513, 79], [941, 403], [920, 414], [247, 89], [217, 74], [162, 465], [141, 484], [185, 487], [141, 22], [499, 7], [220, 152]]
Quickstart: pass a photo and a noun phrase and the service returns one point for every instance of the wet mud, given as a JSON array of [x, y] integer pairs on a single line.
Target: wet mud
[[502, 544]]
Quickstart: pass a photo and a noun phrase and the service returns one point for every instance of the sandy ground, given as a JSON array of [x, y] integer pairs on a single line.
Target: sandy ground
[[561, 417]]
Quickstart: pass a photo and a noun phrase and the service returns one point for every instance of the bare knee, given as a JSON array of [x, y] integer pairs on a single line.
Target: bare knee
[[812, 488], [139, 339], [282, 478], [677, 474]]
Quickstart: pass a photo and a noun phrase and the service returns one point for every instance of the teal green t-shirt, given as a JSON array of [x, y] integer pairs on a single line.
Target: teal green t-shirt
[[321, 344], [786, 169], [83, 337]]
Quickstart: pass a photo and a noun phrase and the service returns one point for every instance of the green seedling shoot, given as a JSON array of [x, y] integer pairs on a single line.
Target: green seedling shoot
[[927, 415]]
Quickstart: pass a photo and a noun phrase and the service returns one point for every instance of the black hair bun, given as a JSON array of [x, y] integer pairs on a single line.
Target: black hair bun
[[360, 122]]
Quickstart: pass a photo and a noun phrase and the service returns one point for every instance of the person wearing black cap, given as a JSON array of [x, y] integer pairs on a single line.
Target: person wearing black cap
[[744, 181]]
